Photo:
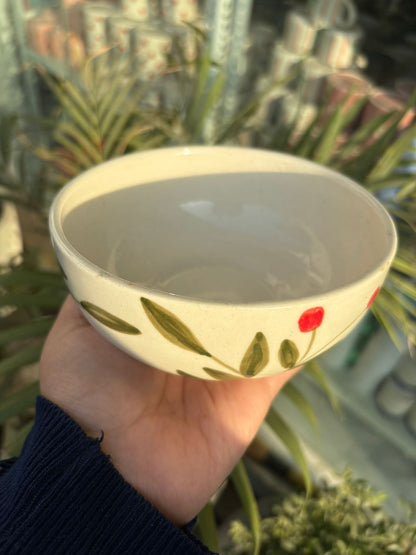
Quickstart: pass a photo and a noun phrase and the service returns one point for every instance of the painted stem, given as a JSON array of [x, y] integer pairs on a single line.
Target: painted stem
[[225, 365], [336, 337], [311, 342]]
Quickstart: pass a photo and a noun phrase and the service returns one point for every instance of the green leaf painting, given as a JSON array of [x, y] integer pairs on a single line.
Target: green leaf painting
[[172, 328], [218, 375], [108, 319], [256, 357], [288, 354]]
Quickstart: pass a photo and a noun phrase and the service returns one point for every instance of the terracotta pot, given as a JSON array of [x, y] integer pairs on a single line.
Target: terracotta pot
[[351, 84], [57, 39], [405, 88], [39, 29], [383, 102], [70, 3]]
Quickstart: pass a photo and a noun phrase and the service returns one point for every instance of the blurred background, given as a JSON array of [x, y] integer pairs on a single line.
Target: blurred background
[[334, 81]]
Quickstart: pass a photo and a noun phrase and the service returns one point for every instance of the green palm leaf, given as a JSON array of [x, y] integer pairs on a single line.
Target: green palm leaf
[[313, 369], [332, 128], [359, 138], [389, 160], [361, 165], [90, 149], [407, 188], [83, 103], [245, 492], [208, 528], [36, 328], [31, 278], [386, 321], [291, 442], [306, 143], [41, 300], [112, 139], [133, 133], [405, 264], [26, 356], [19, 401], [403, 285], [81, 158], [113, 105], [302, 403], [74, 112]]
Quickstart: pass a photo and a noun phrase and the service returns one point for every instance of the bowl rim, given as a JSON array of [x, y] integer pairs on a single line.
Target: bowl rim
[[59, 238]]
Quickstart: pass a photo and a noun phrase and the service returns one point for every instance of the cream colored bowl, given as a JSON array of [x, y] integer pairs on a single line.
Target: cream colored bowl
[[221, 262]]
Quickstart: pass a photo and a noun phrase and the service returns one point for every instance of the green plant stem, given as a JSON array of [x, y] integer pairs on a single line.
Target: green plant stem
[[207, 527], [242, 484], [311, 342], [350, 325]]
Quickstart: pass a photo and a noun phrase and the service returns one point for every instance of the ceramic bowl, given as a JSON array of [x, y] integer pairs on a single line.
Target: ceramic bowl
[[221, 262]]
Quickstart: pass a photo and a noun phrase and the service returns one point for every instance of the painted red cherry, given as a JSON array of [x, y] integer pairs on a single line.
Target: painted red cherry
[[373, 296], [311, 319]]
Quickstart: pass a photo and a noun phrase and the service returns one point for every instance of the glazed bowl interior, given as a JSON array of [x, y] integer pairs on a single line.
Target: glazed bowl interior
[[224, 225]]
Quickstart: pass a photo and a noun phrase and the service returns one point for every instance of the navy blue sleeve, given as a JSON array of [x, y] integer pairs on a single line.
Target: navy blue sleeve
[[63, 495]]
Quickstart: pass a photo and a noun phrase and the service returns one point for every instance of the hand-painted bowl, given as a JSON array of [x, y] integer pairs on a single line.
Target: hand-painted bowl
[[221, 262]]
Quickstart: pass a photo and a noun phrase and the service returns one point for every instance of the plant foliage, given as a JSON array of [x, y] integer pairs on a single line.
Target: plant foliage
[[347, 519], [107, 112]]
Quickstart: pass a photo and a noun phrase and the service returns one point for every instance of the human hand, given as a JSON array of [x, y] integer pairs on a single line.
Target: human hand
[[174, 439]]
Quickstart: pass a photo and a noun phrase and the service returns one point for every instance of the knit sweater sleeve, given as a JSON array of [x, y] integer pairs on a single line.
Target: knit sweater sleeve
[[63, 495]]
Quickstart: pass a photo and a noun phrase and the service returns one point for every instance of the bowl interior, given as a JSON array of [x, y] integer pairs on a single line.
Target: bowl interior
[[225, 229]]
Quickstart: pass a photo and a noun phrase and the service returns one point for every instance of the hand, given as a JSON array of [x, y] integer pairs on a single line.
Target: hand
[[173, 439]]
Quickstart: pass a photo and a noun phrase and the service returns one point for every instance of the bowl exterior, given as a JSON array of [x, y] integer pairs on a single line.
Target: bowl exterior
[[214, 340]]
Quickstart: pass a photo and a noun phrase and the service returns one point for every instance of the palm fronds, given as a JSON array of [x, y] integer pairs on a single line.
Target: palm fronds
[[374, 156], [98, 116]]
